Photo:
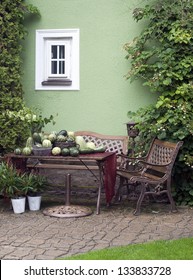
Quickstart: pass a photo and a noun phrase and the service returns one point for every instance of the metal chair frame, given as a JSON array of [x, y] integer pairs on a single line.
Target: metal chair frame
[[151, 173]]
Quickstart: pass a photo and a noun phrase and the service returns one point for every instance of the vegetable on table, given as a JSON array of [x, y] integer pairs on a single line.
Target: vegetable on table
[[26, 151], [46, 143], [56, 151]]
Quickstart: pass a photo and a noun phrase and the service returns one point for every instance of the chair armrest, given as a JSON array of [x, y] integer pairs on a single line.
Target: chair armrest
[[145, 179], [131, 158], [130, 163], [145, 163]]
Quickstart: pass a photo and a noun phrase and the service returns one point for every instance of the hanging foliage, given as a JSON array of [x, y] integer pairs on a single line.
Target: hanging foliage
[[162, 57], [16, 119], [12, 33]]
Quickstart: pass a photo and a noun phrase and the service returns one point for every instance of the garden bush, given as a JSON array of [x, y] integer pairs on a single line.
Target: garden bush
[[16, 119], [162, 58]]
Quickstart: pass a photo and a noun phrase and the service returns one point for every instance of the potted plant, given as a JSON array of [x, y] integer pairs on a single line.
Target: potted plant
[[12, 186], [35, 184]]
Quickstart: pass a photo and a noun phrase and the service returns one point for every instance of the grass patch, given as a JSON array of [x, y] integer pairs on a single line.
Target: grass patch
[[181, 249]]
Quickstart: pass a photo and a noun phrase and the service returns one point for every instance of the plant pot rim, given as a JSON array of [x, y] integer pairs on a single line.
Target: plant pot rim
[[18, 197], [34, 194]]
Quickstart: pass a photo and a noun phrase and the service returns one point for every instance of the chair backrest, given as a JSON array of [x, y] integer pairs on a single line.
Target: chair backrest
[[118, 144], [162, 153]]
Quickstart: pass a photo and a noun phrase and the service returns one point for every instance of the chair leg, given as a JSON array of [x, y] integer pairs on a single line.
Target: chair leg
[[140, 199], [118, 196], [172, 203]]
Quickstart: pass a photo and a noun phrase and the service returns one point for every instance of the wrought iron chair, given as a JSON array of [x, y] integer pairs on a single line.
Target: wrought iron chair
[[152, 173]]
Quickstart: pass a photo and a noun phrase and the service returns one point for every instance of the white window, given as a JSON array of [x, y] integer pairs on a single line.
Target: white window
[[57, 59]]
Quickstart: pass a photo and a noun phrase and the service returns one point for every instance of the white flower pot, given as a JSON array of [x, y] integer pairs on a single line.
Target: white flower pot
[[34, 202], [18, 205]]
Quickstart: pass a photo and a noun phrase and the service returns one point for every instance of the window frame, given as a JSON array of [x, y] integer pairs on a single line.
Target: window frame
[[44, 39], [66, 59]]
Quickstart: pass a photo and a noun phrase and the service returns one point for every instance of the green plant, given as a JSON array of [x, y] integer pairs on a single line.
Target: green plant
[[162, 54], [17, 120], [17, 126], [35, 184], [12, 183], [161, 57], [12, 33]]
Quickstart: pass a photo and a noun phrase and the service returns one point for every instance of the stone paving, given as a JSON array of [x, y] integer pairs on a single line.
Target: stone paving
[[32, 235]]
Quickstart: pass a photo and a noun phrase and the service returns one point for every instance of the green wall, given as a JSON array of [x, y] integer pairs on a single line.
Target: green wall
[[105, 96]]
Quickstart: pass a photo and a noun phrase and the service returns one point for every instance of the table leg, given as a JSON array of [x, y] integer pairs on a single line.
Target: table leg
[[68, 189], [67, 210], [100, 165]]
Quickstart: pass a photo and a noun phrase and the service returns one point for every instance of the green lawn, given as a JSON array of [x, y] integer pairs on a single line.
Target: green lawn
[[181, 249]]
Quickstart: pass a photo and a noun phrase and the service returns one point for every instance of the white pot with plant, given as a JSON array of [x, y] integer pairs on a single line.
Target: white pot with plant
[[35, 184], [12, 186], [18, 204]]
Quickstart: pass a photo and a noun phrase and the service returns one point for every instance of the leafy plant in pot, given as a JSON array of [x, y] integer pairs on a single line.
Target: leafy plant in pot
[[35, 183], [12, 186]]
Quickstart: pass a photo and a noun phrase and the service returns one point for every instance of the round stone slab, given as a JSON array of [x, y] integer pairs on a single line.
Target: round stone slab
[[64, 211]]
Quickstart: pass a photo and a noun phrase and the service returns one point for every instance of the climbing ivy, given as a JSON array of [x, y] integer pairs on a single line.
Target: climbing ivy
[[16, 119], [12, 33], [162, 57]]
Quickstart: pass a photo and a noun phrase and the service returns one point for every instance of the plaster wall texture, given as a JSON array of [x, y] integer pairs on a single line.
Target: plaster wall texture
[[105, 96]]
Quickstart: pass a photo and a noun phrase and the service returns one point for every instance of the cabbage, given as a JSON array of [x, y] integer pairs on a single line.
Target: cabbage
[[90, 145], [81, 142]]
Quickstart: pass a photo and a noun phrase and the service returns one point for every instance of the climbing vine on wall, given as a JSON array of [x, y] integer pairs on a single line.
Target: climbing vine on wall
[[12, 33], [16, 119], [162, 58]]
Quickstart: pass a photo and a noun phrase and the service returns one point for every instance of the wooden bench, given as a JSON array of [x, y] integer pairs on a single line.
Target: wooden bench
[[116, 144]]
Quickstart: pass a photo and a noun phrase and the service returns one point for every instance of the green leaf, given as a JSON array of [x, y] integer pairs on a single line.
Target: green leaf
[[167, 81], [191, 192]]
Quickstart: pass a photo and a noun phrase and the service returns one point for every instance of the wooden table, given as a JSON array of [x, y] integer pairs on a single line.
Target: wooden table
[[104, 162]]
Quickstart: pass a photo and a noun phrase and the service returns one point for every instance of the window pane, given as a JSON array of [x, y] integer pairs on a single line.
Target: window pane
[[61, 67], [54, 67], [61, 51], [54, 51]]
